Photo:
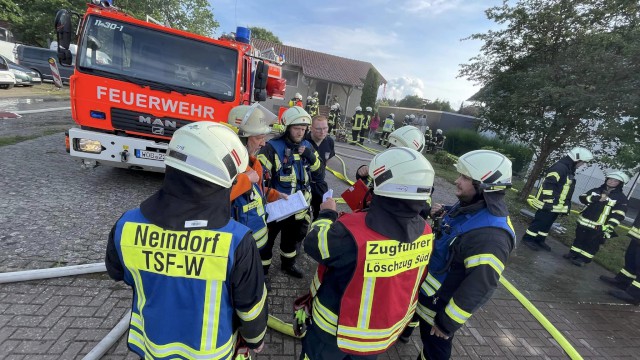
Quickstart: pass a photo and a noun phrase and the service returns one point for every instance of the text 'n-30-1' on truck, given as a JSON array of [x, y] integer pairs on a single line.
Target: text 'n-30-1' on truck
[[137, 82]]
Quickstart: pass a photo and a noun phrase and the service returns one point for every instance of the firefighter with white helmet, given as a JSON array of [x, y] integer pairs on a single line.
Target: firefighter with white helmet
[[436, 142], [428, 134], [296, 100], [191, 210], [288, 159], [554, 196], [314, 108], [388, 126], [358, 121], [332, 118], [464, 273], [605, 209], [307, 106], [626, 280], [248, 194], [364, 130], [344, 245]]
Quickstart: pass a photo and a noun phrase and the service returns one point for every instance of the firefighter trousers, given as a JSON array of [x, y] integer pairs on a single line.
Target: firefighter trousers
[[539, 227], [433, 347], [364, 134], [587, 243], [630, 273], [355, 135], [292, 232], [315, 348], [384, 138]]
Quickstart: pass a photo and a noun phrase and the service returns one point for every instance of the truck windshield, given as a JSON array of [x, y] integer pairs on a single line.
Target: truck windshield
[[140, 54]]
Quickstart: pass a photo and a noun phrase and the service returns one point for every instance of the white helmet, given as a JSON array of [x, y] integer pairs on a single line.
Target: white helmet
[[298, 96], [401, 173], [309, 97], [358, 108], [208, 150], [295, 115], [334, 107], [618, 175], [412, 116], [315, 93], [407, 136], [392, 116], [439, 131], [580, 154], [426, 128], [490, 169], [251, 120], [369, 109], [313, 101]]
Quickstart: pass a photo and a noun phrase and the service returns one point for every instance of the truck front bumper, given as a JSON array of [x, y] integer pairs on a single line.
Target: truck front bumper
[[116, 151]]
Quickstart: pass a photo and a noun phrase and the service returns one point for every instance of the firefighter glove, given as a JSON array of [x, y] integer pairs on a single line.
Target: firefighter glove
[[308, 155], [301, 314]]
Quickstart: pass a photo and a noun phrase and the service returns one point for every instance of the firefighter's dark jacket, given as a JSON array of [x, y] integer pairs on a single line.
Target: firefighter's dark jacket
[[598, 213], [557, 188], [394, 218], [185, 197], [468, 287]]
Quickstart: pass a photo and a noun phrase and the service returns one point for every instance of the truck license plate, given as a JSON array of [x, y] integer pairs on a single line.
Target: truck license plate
[[151, 155]]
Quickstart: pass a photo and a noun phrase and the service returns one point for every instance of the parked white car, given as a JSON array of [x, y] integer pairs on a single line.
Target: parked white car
[[7, 79]]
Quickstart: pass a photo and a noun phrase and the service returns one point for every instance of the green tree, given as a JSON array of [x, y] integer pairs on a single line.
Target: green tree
[[10, 12], [36, 27], [559, 73], [439, 105], [411, 101], [264, 34], [370, 89]]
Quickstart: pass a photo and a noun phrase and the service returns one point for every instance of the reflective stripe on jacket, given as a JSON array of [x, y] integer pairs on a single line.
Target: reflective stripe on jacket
[[168, 269]]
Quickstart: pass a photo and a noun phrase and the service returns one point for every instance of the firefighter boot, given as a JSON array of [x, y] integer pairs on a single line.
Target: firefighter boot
[[614, 281], [290, 268], [624, 296]]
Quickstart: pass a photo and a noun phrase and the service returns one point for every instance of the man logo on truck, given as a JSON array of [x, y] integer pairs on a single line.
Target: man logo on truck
[[157, 123]]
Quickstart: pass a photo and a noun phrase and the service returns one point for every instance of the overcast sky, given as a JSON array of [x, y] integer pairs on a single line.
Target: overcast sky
[[415, 44]]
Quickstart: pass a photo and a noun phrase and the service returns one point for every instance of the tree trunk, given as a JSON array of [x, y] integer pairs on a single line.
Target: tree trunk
[[538, 167]]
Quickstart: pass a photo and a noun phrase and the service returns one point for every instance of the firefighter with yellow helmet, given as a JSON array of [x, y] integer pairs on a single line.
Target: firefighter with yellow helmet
[[554, 197], [289, 160], [473, 241], [605, 209], [388, 246], [180, 247]]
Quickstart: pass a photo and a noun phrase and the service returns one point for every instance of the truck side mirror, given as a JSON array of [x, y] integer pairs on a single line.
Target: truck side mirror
[[63, 32], [260, 81]]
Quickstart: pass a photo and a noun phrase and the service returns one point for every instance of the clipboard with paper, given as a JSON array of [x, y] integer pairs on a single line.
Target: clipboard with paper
[[281, 209]]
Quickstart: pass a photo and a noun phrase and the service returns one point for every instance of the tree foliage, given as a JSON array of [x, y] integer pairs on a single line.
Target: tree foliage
[[10, 12], [411, 101], [561, 73], [36, 25], [438, 105], [264, 34], [370, 89]]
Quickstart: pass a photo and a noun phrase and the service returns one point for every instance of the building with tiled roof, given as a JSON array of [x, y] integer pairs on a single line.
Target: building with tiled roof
[[307, 71]]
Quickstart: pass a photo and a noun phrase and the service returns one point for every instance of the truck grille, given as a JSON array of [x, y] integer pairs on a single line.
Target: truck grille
[[145, 123]]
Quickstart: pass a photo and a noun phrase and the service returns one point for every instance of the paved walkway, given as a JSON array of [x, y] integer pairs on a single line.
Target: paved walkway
[[65, 318]]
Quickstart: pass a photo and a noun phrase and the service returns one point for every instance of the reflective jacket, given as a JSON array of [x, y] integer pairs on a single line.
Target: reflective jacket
[[556, 189], [389, 125], [634, 232], [182, 281], [248, 202], [599, 213], [358, 120], [289, 171], [453, 229], [331, 119], [367, 120], [381, 295]]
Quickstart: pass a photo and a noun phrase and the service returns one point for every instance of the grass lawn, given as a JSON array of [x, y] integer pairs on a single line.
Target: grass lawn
[[611, 254]]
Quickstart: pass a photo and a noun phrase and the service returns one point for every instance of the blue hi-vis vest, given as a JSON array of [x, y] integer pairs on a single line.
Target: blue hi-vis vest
[[298, 178], [458, 226], [181, 300], [248, 209]]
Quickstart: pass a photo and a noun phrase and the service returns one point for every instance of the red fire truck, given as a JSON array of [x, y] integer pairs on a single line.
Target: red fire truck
[[136, 82]]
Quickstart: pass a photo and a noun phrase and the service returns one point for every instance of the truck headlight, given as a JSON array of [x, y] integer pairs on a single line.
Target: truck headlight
[[87, 145]]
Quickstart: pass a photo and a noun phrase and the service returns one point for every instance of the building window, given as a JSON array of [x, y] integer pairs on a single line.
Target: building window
[[291, 77]]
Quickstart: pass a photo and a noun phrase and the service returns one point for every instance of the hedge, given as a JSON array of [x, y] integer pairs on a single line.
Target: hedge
[[460, 141]]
